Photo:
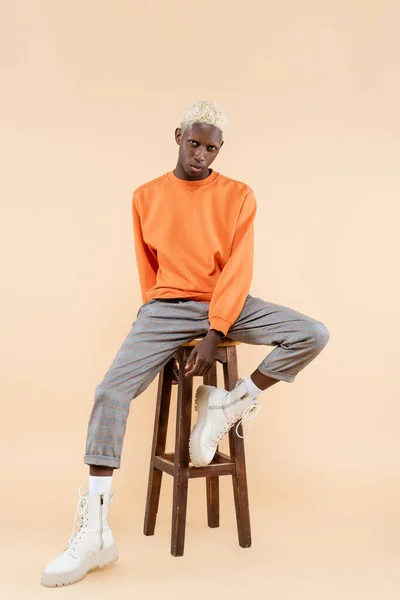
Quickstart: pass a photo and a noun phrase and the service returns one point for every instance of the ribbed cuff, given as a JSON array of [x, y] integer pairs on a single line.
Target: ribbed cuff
[[220, 324]]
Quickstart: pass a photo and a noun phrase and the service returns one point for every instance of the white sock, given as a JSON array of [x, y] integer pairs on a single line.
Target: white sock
[[251, 387], [99, 485]]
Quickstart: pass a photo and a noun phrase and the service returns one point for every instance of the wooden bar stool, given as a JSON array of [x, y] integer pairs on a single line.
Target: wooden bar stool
[[178, 463]]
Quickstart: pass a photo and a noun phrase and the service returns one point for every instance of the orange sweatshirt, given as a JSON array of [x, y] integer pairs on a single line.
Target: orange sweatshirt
[[195, 239]]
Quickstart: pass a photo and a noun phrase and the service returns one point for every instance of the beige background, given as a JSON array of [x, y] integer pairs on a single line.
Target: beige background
[[91, 93]]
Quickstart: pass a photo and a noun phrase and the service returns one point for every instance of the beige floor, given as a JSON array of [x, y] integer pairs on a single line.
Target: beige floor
[[311, 539]]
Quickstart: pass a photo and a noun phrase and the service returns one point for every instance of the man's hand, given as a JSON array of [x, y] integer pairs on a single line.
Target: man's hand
[[202, 357], [175, 373]]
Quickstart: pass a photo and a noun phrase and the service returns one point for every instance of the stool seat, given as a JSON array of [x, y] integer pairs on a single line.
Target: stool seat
[[223, 343], [177, 463]]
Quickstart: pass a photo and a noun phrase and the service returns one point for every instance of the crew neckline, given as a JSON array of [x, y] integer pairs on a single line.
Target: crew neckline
[[193, 182]]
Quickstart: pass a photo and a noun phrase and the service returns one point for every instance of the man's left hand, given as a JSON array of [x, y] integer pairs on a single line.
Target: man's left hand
[[202, 357]]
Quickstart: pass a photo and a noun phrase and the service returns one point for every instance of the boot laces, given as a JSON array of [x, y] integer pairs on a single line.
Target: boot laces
[[249, 413], [81, 512]]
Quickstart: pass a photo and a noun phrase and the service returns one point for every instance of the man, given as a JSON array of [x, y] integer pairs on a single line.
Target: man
[[194, 237]]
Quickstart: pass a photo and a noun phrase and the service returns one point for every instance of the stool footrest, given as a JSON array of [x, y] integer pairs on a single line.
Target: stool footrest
[[222, 464]]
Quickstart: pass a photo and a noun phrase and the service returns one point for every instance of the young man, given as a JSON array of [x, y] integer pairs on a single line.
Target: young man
[[194, 237]]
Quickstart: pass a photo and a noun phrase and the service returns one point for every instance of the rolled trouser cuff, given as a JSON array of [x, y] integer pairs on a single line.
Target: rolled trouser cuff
[[275, 375], [103, 461]]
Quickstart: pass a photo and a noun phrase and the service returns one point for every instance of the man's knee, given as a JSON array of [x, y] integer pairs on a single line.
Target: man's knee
[[321, 335]]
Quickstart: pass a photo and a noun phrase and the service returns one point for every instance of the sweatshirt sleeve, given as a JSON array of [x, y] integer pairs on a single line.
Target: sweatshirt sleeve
[[146, 258], [234, 282]]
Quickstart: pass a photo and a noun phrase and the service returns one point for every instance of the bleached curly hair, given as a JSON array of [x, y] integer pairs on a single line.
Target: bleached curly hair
[[204, 111]]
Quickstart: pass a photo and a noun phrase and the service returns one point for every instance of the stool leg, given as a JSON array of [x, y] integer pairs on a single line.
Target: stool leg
[[181, 457], [236, 446], [212, 483], [158, 447]]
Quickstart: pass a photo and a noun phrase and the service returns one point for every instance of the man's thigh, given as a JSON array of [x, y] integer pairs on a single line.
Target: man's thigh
[[160, 328], [262, 322]]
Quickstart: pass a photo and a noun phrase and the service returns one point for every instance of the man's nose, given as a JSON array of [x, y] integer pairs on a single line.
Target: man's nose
[[199, 155]]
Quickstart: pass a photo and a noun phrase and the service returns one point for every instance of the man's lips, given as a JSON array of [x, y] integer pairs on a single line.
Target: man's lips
[[197, 167]]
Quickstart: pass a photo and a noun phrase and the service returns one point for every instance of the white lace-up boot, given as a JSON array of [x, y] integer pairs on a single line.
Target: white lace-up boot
[[218, 411], [92, 545]]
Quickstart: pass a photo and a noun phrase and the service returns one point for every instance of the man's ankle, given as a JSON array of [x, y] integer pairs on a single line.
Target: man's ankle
[[101, 471]]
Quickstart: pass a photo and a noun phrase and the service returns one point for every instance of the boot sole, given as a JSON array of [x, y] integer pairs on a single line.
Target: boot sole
[[103, 558], [201, 406]]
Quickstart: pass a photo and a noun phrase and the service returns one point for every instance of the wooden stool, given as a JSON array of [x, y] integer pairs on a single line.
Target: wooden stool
[[178, 463]]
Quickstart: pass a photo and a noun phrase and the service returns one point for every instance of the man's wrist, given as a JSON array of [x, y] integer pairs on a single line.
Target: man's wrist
[[218, 334]]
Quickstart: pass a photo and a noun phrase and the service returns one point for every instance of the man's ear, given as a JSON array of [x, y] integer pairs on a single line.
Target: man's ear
[[178, 135]]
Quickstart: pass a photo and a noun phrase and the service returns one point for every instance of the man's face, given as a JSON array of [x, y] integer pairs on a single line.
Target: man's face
[[198, 146]]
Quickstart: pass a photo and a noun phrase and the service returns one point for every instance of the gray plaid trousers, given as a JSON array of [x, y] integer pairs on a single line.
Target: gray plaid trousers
[[160, 328]]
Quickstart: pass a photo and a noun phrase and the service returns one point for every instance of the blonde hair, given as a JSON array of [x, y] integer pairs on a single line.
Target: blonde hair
[[204, 111]]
